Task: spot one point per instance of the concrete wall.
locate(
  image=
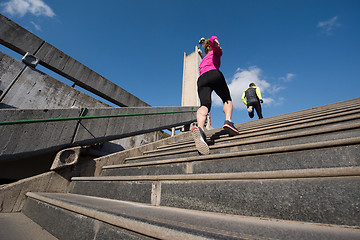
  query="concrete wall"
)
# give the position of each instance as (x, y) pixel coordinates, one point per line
(29, 88)
(32, 89)
(9, 69)
(30, 139)
(12, 196)
(23, 87)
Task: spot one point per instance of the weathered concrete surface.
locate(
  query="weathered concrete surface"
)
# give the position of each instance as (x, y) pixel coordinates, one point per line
(190, 76)
(12, 196)
(91, 215)
(20, 40)
(155, 169)
(34, 89)
(22, 140)
(86, 78)
(28, 88)
(16, 226)
(309, 195)
(119, 157)
(9, 69)
(316, 158)
(318, 200)
(26, 139)
(13, 170)
(135, 191)
(82, 227)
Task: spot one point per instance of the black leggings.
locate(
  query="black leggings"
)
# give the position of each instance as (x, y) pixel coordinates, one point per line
(212, 80)
(257, 107)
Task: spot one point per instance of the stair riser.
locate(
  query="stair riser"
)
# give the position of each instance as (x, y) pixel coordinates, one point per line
(128, 191)
(344, 156)
(176, 168)
(300, 117)
(289, 141)
(315, 158)
(318, 200)
(191, 153)
(329, 201)
(67, 225)
(293, 128)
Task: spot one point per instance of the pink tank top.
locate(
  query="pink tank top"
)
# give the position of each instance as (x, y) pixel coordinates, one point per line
(212, 60)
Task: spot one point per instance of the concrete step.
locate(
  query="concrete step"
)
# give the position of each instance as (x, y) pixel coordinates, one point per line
(219, 135)
(261, 132)
(98, 218)
(296, 135)
(120, 158)
(240, 143)
(340, 109)
(323, 111)
(322, 195)
(335, 153)
(17, 226)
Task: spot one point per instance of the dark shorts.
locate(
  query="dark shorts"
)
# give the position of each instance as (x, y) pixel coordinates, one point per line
(212, 80)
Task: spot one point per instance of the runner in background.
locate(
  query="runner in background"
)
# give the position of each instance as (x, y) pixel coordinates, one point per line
(252, 99)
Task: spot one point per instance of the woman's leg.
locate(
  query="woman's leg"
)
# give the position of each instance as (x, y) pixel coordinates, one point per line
(228, 108)
(222, 90)
(201, 115)
(204, 92)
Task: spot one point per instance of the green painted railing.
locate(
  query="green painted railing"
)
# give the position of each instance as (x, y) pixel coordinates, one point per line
(84, 117)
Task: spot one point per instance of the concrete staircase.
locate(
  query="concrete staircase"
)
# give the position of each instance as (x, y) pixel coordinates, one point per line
(294, 176)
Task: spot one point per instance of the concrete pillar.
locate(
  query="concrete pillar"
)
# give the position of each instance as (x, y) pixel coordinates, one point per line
(190, 75)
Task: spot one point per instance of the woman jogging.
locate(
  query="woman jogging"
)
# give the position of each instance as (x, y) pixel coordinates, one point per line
(211, 79)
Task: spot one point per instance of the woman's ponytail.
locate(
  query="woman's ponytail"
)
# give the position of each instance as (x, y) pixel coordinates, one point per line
(206, 46)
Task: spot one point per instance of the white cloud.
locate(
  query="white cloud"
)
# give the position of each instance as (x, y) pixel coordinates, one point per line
(275, 89)
(288, 77)
(330, 25)
(22, 7)
(240, 82)
(37, 27)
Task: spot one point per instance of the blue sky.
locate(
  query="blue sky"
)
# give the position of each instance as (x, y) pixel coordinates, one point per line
(302, 54)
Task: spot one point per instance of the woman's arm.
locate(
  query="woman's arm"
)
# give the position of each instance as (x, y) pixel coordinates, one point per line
(215, 44)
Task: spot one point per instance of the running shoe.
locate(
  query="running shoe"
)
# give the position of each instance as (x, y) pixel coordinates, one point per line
(250, 109)
(230, 128)
(200, 140)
